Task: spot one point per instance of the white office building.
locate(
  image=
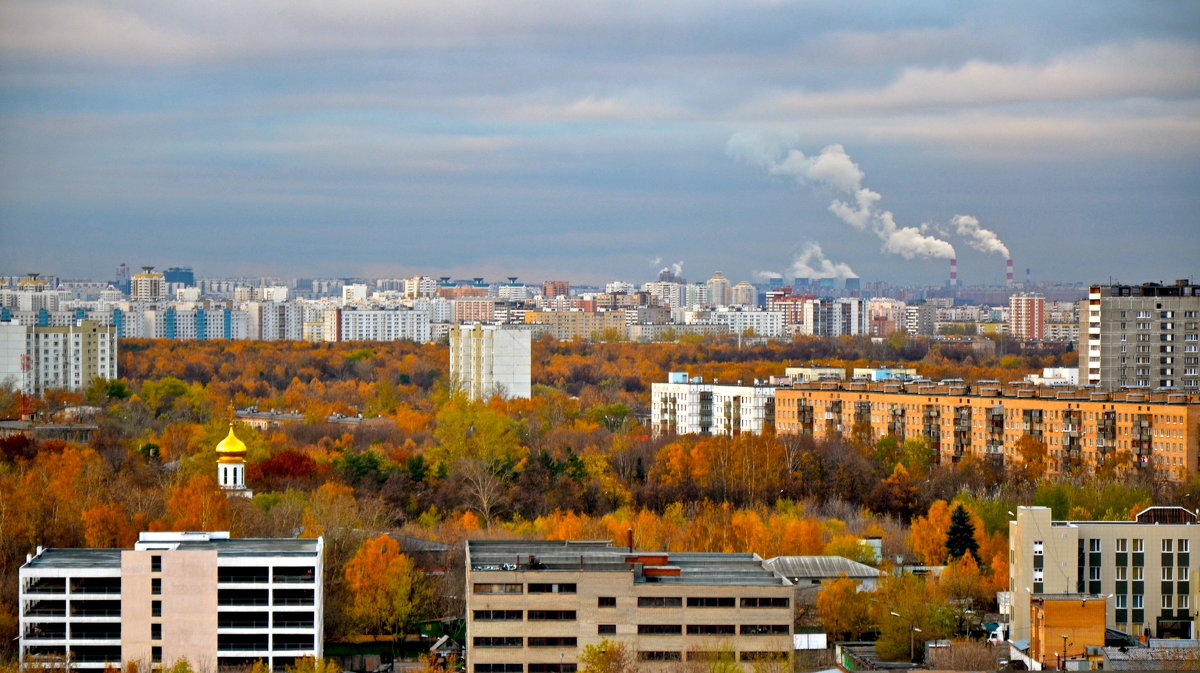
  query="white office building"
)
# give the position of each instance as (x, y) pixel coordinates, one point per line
(205, 597)
(487, 360)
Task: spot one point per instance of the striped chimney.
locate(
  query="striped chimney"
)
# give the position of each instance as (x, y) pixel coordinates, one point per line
(954, 272)
(1008, 275)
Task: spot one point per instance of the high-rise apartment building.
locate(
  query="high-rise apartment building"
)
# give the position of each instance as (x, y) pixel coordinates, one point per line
(533, 606)
(556, 288)
(1144, 565)
(1027, 316)
(148, 286)
(719, 290)
(487, 360)
(213, 600)
(686, 407)
(1141, 336)
(34, 359)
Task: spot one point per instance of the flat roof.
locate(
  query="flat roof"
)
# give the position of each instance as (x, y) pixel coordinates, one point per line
(76, 558)
(104, 558)
(601, 556)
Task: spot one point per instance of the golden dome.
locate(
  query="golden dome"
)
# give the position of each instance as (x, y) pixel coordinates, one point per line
(231, 449)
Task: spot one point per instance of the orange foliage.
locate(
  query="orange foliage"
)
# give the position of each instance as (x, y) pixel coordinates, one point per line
(195, 504)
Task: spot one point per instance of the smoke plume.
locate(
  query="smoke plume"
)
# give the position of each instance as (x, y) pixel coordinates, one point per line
(812, 263)
(983, 240)
(834, 169)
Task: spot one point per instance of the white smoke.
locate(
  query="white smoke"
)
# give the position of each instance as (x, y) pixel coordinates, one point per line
(983, 240)
(655, 261)
(833, 168)
(811, 263)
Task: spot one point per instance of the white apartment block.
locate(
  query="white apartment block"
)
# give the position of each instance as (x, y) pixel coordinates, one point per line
(487, 360)
(759, 323)
(835, 317)
(667, 293)
(687, 406)
(354, 294)
(197, 322)
(36, 359)
(1144, 566)
(419, 286)
(205, 597)
(383, 325)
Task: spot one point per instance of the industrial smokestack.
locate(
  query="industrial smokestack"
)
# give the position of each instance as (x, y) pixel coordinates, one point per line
(953, 272)
(1008, 273)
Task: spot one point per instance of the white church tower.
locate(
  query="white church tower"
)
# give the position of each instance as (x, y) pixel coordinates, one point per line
(231, 465)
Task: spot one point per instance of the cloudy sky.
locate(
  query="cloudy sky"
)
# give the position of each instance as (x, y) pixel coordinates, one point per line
(593, 140)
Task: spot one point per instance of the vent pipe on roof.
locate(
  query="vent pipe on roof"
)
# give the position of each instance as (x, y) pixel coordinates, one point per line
(629, 538)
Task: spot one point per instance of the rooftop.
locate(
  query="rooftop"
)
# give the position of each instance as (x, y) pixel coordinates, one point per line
(224, 546)
(602, 556)
(820, 567)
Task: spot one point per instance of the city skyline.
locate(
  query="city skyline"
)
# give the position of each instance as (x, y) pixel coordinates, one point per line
(600, 142)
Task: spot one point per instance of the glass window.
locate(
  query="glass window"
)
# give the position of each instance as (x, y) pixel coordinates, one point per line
(1122, 544)
(156, 564)
(1167, 574)
(1168, 545)
(1138, 544)
(1121, 601)
(1138, 601)
(606, 602)
(1094, 573)
(1183, 601)
(1184, 546)
(1167, 601)
(1138, 573)
(1094, 544)
(1122, 573)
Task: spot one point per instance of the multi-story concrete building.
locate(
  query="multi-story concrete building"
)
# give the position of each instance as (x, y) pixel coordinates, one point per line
(533, 606)
(1083, 428)
(204, 597)
(920, 319)
(1027, 316)
(1144, 565)
(1141, 336)
(744, 294)
(35, 359)
(148, 286)
(719, 290)
(569, 325)
(556, 288)
(687, 406)
(381, 325)
(835, 317)
(487, 360)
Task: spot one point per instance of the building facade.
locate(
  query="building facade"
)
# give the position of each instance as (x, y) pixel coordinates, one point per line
(1142, 336)
(1081, 428)
(34, 359)
(533, 606)
(205, 597)
(1027, 316)
(487, 360)
(687, 406)
(1144, 564)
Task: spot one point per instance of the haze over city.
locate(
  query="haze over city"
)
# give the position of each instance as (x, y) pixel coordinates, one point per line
(593, 141)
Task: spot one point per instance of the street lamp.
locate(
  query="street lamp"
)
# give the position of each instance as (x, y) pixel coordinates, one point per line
(1063, 665)
(912, 630)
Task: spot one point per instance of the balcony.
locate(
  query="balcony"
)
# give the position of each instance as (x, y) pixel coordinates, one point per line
(294, 597)
(243, 575)
(242, 597)
(242, 620)
(96, 585)
(47, 585)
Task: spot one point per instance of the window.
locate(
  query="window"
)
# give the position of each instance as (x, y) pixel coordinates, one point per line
(606, 629)
(764, 656)
(1121, 601)
(1168, 574)
(1183, 601)
(1122, 573)
(765, 602)
(552, 641)
(606, 602)
(1122, 544)
(156, 564)
(552, 668)
(1138, 602)
(655, 655)
(711, 602)
(1138, 573)
(659, 629)
(499, 668)
(498, 588)
(156, 654)
(1168, 546)
(551, 615)
(710, 629)
(156, 608)
(1138, 545)
(1167, 601)
(1184, 546)
(660, 602)
(497, 641)
(1094, 573)
(156, 586)
(1094, 544)
(764, 629)
(497, 615)
(156, 632)
(551, 588)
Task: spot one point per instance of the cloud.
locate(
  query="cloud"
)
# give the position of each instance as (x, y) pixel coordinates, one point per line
(1143, 68)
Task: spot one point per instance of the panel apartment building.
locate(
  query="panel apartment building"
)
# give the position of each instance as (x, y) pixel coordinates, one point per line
(206, 597)
(1160, 430)
(34, 359)
(1144, 565)
(688, 406)
(532, 606)
(487, 360)
(1141, 336)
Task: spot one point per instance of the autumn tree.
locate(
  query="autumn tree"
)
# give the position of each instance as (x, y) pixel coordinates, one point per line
(1033, 456)
(387, 593)
(607, 656)
(927, 536)
(844, 611)
(195, 503)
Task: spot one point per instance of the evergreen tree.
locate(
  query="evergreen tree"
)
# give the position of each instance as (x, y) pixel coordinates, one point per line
(960, 537)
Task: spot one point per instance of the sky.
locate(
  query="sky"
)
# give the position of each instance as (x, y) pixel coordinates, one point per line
(593, 141)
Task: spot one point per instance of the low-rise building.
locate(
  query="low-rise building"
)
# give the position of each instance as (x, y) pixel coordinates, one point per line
(205, 597)
(533, 606)
(688, 406)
